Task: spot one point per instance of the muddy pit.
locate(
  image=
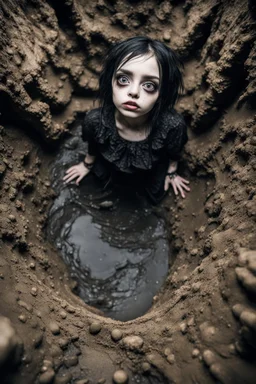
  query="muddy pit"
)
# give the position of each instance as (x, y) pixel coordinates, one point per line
(199, 325)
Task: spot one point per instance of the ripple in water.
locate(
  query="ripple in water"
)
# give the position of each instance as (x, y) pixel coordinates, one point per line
(118, 256)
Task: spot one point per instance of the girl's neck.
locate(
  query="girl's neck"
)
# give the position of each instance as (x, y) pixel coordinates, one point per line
(136, 124)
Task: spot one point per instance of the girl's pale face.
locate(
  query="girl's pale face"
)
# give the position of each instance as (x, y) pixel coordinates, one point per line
(135, 86)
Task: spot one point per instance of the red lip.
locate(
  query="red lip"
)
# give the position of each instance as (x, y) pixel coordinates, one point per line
(131, 103)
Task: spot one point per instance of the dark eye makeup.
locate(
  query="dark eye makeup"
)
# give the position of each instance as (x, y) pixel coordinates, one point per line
(148, 86)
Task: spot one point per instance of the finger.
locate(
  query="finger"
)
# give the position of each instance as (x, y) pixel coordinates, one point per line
(174, 188)
(184, 187)
(181, 191)
(71, 178)
(166, 184)
(74, 172)
(184, 180)
(70, 169)
(79, 179)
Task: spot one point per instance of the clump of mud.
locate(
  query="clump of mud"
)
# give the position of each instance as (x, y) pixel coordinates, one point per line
(201, 326)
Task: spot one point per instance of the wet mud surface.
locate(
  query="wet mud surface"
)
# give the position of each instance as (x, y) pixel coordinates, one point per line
(114, 244)
(201, 326)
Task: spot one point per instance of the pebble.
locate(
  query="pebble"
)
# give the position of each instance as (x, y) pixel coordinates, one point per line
(12, 218)
(116, 334)
(101, 381)
(70, 361)
(171, 358)
(22, 318)
(134, 343)
(25, 305)
(54, 328)
(145, 367)
(183, 327)
(47, 377)
(63, 342)
(32, 266)
(34, 291)
(196, 287)
(194, 252)
(63, 314)
(65, 378)
(82, 381)
(120, 377)
(95, 328)
(195, 352)
(167, 36)
(167, 351)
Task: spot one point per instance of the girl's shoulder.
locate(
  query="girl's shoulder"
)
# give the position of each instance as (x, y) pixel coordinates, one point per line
(171, 120)
(93, 116)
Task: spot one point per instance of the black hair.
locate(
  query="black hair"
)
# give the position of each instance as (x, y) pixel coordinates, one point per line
(169, 66)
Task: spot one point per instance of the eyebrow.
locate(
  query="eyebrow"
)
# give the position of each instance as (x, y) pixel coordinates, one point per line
(146, 77)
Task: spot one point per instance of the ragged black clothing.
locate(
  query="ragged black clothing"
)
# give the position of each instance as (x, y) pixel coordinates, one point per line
(137, 164)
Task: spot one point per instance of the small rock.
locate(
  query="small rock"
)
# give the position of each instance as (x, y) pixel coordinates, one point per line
(22, 318)
(63, 342)
(195, 352)
(145, 367)
(47, 377)
(70, 361)
(82, 381)
(32, 266)
(167, 351)
(196, 287)
(12, 218)
(171, 358)
(116, 334)
(95, 328)
(183, 327)
(120, 377)
(194, 252)
(101, 381)
(134, 343)
(34, 291)
(63, 314)
(54, 328)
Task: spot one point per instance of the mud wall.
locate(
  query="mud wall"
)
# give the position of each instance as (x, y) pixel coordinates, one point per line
(202, 325)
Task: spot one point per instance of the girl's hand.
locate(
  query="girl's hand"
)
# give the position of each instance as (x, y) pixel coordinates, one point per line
(178, 184)
(78, 171)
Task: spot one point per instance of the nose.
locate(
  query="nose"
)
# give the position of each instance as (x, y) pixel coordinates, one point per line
(134, 91)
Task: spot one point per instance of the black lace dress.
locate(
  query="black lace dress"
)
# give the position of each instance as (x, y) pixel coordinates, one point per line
(141, 165)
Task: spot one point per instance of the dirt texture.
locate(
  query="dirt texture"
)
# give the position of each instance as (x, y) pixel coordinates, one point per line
(202, 325)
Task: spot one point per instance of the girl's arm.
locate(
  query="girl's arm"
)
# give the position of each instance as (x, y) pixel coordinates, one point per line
(178, 184)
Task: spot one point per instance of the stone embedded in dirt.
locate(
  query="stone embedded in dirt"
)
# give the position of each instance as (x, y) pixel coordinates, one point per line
(34, 291)
(8, 341)
(116, 334)
(25, 305)
(145, 367)
(134, 343)
(55, 351)
(171, 358)
(196, 287)
(12, 218)
(70, 361)
(47, 377)
(101, 381)
(63, 314)
(195, 352)
(32, 265)
(120, 377)
(82, 381)
(95, 328)
(167, 351)
(183, 327)
(22, 318)
(63, 342)
(65, 378)
(194, 252)
(54, 328)
(37, 340)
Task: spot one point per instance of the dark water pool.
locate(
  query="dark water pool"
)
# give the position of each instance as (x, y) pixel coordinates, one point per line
(118, 254)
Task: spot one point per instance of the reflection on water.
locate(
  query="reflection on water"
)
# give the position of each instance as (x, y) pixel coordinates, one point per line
(118, 256)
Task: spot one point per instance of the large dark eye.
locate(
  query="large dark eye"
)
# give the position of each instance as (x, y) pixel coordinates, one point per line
(150, 87)
(122, 80)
